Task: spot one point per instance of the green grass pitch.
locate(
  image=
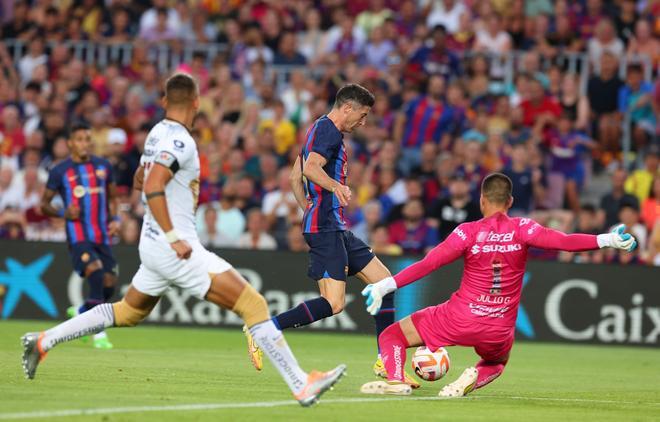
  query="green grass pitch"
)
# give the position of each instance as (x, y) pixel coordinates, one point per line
(166, 369)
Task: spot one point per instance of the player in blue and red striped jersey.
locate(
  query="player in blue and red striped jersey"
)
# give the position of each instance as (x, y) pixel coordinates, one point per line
(427, 118)
(318, 180)
(87, 189)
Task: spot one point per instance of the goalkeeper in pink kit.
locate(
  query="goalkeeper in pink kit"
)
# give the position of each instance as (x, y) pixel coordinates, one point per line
(482, 312)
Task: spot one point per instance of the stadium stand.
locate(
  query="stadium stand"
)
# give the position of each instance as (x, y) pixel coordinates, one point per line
(561, 96)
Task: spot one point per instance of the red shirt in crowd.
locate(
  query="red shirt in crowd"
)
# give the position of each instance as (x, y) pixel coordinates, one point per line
(532, 111)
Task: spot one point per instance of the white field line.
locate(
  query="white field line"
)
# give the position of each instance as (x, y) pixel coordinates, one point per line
(263, 404)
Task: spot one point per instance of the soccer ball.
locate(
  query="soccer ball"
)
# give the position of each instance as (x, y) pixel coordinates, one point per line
(430, 366)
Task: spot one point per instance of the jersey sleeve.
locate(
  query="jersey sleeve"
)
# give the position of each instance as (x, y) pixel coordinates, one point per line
(535, 235)
(54, 182)
(110, 175)
(453, 247)
(174, 153)
(326, 141)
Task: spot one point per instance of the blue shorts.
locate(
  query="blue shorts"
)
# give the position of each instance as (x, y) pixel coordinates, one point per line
(336, 255)
(84, 253)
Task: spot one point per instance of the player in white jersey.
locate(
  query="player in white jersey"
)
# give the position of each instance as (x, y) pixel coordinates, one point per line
(171, 254)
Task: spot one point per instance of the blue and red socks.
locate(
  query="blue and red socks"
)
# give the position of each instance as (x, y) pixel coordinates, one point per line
(304, 314)
(96, 291)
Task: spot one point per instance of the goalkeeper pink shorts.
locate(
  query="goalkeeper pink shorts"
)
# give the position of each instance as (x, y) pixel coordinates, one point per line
(438, 326)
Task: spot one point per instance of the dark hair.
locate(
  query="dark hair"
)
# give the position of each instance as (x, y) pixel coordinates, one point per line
(439, 29)
(497, 188)
(354, 93)
(180, 89)
(76, 127)
(590, 208)
(33, 86)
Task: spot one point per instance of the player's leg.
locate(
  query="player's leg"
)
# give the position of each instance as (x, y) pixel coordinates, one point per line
(96, 264)
(229, 290)
(494, 357)
(328, 266)
(371, 273)
(393, 343)
(110, 273)
(126, 313)
(494, 350)
(367, 267)
(472, 378)
(489, 370)
(89, 265)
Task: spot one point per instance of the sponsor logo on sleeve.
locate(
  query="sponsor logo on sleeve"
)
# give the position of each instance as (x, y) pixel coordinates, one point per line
(532, 229)
(460, 234)
(179, 145)
(165, 158)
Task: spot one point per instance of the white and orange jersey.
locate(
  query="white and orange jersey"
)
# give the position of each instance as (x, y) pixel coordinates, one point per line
(169, 143)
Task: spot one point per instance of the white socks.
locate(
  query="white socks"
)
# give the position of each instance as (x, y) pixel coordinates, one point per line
(90, 322)
(272, 342)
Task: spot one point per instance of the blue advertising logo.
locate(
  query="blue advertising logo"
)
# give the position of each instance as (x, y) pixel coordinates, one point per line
(26, 280)
(523, 324)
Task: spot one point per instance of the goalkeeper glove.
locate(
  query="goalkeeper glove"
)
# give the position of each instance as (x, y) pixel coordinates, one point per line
(375, 292)
(617, 239)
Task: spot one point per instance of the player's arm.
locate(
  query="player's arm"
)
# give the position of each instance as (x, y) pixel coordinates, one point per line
(138, 178)
(546, 238)
(47, 208)
(296, 180)
(113, 208)
(154, 189)
(448, 251)
(313, 171)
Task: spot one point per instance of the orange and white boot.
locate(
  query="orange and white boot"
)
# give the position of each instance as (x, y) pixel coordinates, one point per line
(317, 384)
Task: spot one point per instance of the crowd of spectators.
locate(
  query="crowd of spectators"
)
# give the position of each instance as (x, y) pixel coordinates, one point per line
(447, 111)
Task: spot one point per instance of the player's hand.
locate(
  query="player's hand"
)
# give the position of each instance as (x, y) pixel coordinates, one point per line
(375, 292)
(343, 194)
(618, 239)
(113, 228)
(182, 249)
(72, 212)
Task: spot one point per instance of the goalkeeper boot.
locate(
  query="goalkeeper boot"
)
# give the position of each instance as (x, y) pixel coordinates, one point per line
(32, 353)
(101, 341)
(317, 384)
(72, 311)
(462, 386)
(384, 387)
(255, 353)
(380, 371)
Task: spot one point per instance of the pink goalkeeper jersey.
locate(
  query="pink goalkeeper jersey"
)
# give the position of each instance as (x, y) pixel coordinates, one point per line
(495, 254)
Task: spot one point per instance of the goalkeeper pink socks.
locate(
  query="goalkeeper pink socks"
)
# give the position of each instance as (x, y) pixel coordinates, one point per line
(393, 346)
(488, 371)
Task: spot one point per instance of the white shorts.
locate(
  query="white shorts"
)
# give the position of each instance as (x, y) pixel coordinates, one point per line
(160, 269)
